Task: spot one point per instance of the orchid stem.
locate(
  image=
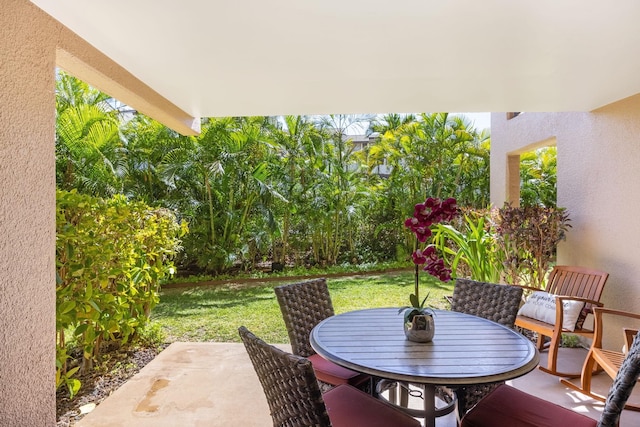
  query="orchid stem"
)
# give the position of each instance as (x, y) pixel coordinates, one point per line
(417, 281)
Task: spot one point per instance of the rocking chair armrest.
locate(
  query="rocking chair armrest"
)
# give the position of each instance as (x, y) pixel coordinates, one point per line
(560, 298)
(598, 314)
(599, 311)
(559, 307)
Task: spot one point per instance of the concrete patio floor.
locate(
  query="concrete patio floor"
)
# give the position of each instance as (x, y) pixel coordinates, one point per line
(213, 384)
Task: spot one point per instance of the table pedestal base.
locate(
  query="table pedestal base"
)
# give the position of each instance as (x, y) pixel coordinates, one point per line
(436, 401)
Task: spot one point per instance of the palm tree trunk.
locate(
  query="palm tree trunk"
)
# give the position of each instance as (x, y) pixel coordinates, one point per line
(210, 202)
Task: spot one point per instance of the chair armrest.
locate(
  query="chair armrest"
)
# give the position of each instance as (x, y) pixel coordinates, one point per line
(560, 311)
(561, 298)
(598, 313)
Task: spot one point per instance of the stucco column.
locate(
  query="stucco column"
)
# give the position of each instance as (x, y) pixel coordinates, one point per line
(499, 164)
(513, 180)
(27, 217)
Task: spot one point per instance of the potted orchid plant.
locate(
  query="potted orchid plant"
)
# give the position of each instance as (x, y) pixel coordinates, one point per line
(425, 215)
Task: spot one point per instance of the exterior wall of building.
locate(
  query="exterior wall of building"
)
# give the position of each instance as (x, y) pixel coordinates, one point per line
(598, 163)
(361, 142)
(27, 217)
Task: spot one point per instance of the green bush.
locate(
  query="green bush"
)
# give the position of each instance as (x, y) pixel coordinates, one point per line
(110, 258)
(512, 244)
(529, 237)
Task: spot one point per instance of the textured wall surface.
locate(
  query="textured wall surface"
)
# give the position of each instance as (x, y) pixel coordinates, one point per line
(31, 45)
(598, 183)
(27, 217)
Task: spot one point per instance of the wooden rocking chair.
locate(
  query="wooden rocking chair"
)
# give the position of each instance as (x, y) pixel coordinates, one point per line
(600, 359)
(565, 283)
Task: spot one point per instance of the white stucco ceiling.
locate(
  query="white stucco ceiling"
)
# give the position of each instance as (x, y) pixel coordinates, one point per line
(269, 57)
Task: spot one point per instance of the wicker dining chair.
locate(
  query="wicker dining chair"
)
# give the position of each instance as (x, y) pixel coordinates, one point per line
(508, 406)
(303, 306)
(491, 301)
(294, 396)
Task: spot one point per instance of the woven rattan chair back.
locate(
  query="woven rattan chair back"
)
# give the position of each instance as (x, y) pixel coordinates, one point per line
(303, 306)
(491, 301)
(289, 384)
(623, 384)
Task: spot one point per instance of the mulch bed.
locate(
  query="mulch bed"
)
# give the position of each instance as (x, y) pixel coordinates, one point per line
(118, 366)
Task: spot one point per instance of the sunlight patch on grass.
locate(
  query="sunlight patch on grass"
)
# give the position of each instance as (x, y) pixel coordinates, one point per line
(214, 313)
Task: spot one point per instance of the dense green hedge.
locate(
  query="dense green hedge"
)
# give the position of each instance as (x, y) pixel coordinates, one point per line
(110, 258)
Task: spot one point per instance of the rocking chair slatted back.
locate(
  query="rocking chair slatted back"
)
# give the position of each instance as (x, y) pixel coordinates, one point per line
(577, 281)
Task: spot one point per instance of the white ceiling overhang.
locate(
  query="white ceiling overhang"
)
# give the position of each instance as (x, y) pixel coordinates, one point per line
(261, 57)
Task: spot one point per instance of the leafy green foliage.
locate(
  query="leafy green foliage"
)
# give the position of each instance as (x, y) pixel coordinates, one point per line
(516, 244)
(111, 256)
(344, 269)
(220, 184)
(88, 144)
(538, 176)
(437, 155)
(474, 244)
(416, 308)
(431, 154)
(295, 190)
(151, 335)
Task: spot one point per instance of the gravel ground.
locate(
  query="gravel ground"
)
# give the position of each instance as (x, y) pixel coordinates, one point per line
(119, 365)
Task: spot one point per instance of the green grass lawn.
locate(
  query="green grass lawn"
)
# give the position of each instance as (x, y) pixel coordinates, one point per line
(214, 313)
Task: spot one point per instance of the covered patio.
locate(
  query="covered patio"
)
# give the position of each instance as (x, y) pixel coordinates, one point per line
(575, 63)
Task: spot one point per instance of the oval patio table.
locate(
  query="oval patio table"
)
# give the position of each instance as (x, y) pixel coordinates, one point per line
(465, 350)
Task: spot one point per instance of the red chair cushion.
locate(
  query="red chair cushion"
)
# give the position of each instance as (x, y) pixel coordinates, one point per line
(508, 406)
(349, 407)
(331, 373)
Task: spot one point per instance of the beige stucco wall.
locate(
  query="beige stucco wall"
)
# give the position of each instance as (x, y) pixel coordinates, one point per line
(27, 220)
(31, 44)
(598, 183)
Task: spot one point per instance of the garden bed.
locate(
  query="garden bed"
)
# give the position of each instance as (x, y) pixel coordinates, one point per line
(119, 365)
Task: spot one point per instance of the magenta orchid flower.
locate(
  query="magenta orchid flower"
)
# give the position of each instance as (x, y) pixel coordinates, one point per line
(432, 211)
(418, 257)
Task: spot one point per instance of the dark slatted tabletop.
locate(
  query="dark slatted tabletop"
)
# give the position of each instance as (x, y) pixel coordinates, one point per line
(465, 349)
